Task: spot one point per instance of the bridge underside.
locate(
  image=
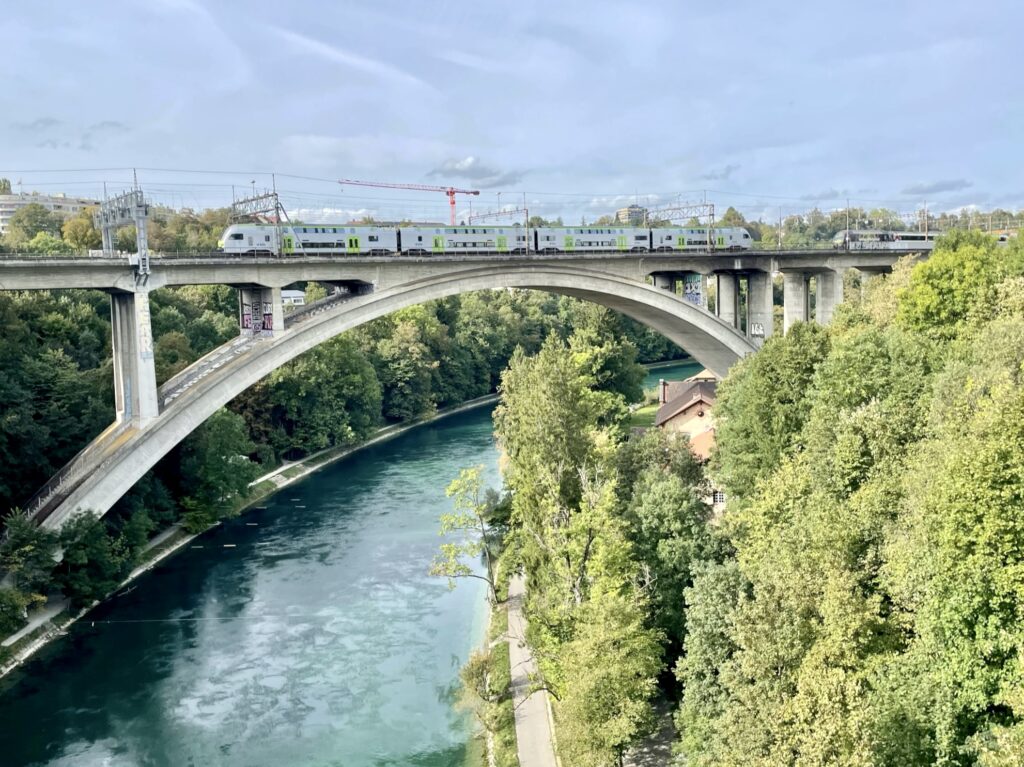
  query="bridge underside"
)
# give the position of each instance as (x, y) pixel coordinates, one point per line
(119, 457)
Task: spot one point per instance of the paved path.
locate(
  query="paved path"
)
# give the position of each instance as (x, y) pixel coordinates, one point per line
(656, 749)
(47, 613)
(533, 728)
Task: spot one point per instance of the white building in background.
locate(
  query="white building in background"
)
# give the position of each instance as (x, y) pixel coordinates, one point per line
(61, 204)
(293, 297)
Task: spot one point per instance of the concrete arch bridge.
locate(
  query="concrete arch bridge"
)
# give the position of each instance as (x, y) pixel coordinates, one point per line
(665, 292)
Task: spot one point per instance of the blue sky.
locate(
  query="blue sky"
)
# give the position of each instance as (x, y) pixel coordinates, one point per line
(585, 106)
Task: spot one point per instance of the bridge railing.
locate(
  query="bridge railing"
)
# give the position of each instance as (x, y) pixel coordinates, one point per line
(202, 256)
(75, 469)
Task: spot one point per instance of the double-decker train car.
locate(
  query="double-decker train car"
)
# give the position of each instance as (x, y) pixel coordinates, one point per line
(421, 240)
(700, 239)
(335, 239)
(879, 239)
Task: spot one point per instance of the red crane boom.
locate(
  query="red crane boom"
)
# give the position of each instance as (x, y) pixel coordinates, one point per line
(448, 190)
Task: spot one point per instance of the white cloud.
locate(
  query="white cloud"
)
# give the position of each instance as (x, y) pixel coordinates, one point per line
(375, 67)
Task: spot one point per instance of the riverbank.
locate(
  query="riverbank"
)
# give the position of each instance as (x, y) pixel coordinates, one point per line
(53, 619)
(687, 360)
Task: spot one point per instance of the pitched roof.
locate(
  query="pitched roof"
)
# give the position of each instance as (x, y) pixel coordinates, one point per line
(694, 391)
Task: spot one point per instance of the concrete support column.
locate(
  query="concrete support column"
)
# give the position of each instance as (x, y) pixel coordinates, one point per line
(760, 306)
(261, 311)
(664, 280)
(829, 295)
(727, 298)
(135, 396)
(795, 299)
(695, 288)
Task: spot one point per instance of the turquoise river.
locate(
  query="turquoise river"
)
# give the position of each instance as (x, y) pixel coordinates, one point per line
(304, 633)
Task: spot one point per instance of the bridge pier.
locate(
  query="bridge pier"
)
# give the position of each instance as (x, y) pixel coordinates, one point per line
(727, 297)
(796, 299)
(135, 397)
(664, 280)
(260, 311)
(760, 306)
(829, 294)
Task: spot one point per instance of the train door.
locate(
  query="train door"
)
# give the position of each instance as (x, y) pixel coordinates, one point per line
(570, 244)
(288, 244)
(438, 245)
(621, 242)
(353, 244)
(502, 243)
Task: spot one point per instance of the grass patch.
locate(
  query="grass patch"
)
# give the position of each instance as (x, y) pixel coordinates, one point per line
(499, 623)
(643, 416)
(504, 718)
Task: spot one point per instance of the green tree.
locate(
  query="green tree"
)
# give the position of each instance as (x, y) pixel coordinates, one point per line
(28, 221)
(5, 186)
(80, 233)
(544, 425)
(613, 665)
(12, 611)
(328, 396)
(91, 567)
(955, 285)
(405, 372)
(762, 405)
(28, 552)
(469, 522)
(669, 522)
(215, 458)
(44, 243)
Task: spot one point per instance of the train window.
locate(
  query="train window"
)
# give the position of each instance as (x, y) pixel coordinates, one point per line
(746, 236)
(266, 238)
(373, 238)
(640, 237)
(238, 236)
(668, 238)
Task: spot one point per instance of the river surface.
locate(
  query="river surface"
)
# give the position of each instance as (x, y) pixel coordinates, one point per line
(675, 372)
(303, 633)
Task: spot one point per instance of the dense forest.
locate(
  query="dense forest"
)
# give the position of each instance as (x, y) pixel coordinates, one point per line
(858, 603)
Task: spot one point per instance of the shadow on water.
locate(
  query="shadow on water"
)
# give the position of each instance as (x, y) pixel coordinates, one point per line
(316, 638)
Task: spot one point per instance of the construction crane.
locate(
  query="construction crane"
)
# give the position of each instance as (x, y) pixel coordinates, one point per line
(448, 190)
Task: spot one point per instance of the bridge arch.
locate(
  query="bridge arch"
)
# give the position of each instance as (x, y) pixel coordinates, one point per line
(121, 457)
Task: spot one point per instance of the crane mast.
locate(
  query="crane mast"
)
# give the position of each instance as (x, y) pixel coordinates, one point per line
(450, 191)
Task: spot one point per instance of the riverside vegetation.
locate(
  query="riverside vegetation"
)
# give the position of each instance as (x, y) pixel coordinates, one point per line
(859, 602)
(56, 393)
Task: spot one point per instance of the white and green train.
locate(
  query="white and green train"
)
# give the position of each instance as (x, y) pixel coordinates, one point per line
(336, 239)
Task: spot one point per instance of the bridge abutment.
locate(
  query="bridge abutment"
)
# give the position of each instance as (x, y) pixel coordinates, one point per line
(135, 395)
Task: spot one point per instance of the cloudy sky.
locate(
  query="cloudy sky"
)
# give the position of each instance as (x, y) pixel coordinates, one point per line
(584, 106)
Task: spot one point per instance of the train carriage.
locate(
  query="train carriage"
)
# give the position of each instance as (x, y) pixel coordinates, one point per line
(421, 240)
(309, 239)
(573, 239)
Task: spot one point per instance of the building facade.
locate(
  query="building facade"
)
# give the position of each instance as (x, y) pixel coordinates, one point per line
(61, 204)
(634, 215)
(686, 409)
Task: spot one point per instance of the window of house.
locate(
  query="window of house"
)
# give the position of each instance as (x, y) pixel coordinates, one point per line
(718, 497)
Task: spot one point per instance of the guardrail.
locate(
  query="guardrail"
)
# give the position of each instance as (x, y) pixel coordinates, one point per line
(74, 469)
